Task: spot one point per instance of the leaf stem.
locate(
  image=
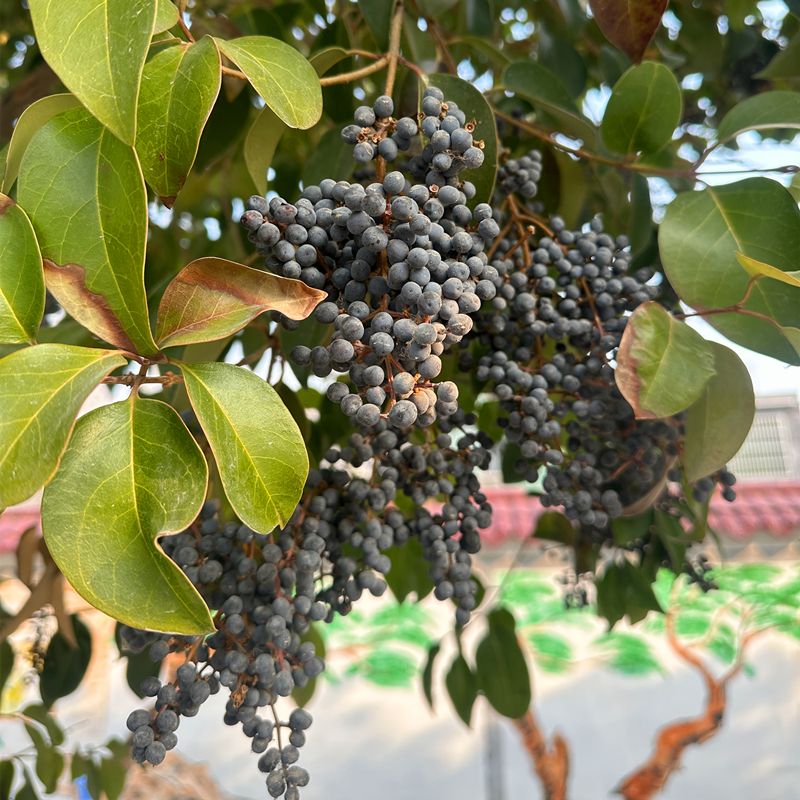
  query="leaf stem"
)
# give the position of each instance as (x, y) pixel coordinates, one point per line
(186, 32)
(234, 73)
(347, 77)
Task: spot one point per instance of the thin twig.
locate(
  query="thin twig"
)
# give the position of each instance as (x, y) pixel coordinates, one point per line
(394, 46)
(234, 73)
(348, 77)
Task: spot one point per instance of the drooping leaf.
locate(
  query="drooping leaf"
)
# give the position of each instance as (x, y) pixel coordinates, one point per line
(98, 50)
(65, 665)
(378, 16)
(501, 668)
(663, 364)
(83, 190)
(213, 298)
(31, 119)
(629, 24)
(259, 451)
(427, 673)
(284, 79)
(765, 111)
(612, 592)
(718, 422)
(166, 16)
(641, 216)
(462, 688)
(260, 145)
(41, 390)
(643, 111)
(555, 527)
(545, 91)
(409, 572)
(474, 105)
(759, 268)
(698, 240)
(132, 472)
(179, 87)
(21, 277)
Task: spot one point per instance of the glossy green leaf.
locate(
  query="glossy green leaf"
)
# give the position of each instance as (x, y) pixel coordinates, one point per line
(21, 276)
(260, 145)
(260, 453)
(378, 16)
(765, 111)
(611, 591)
(132, 472)
(213, 298)
(640, 227)
(41, 390)
(327, 58)
(699, 238)
(643, 111)
(555, 527)
(166, 16)
(83, 190)
(758, 269)
(6, 778)
(31, 119)
(98, 49)
(629, 24)
(663, 364)
(40, 713)
(718, 422)
(474, 105)
(284, 79)
(545, 92)
(179, 88)
(462, 687)
(409, 572)
(65, 665)
(501, 668)
(427, 673)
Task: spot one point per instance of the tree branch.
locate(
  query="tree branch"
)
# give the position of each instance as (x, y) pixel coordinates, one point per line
(551, 764)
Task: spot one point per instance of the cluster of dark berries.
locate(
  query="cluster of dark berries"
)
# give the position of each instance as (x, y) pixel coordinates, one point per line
(520, 175)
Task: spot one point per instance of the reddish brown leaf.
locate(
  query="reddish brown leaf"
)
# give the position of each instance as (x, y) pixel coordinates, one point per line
(68, 285)
(629, 24)
(213, 298)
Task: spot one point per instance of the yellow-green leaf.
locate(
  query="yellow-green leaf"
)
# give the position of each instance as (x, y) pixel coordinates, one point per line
(284, 79)
(717, 423)
(83, 190)
(213, 298)
(260, 453)
(179, 88)
(41, 390)
(32, 118)
(166, 16)
(132, 472)
(758, 268)
(663, 364)
(98, 48)
(21, 278)
(260, 145)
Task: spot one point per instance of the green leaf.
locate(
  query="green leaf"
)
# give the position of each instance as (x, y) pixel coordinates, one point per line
(427, 673)
(6, 662)
(643, 111)
(84, 193)
(553, 652)
(409, 572)
(31, 119)
(260, 453)
(785, 64)
(84, 765)
(462, 688)
(718, 422)
(474, 105)
(628, 529)
(287, 83)
(139, 666)
(41, 390)
(612, 594)
(640, 226)
(260, 145)
(132, 472)
(6, 778)
(166, 16)
(98, 49)
(501, 668)
(545, 91)
(65, 665)
(564, 60)
(699, 238)
(757, 269)
(640, 592)
(378, 16)
(113, 774)
(323, 60)
(213, 298)
(765, 111)
(555, 527)
(21, 276)
(28, 790)
(673, 537)
(179, 88)
(629, 654)
(663, 364)
(629, 24)
(40, 713)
